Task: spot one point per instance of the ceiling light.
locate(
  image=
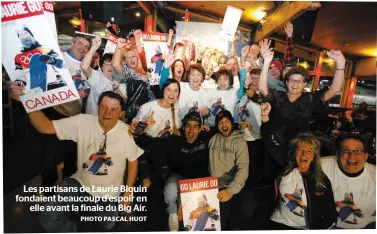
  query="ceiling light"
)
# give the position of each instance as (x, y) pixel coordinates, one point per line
(259, 14)
(75, 21)
(137, 14)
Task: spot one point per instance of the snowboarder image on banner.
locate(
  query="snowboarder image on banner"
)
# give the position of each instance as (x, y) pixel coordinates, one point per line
(347, 210)
(34, 60)
(217, 107)
(203, 217)
(80, 82)
(295, 204)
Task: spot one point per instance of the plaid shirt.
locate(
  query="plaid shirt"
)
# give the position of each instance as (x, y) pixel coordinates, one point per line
(288, 55)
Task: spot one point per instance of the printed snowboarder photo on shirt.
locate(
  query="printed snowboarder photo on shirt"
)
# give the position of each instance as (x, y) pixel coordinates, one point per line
(244, 113)
(98, 162)
(36, 62)
(217, 106)
(166, 131)
(347, 210)
(295, 203)
(195, 107)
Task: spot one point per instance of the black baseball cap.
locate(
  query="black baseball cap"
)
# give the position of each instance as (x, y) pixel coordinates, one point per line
(192, 116)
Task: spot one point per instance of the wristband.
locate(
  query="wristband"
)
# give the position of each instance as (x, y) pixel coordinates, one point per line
(340, 69)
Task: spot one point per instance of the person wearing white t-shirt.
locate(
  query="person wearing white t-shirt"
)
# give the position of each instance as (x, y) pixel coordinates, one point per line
(248, 114)
(354, 183)
(162, 116)
(303, 192)
(222, 97)
(194, 97)
(99, 81)
(103, 147)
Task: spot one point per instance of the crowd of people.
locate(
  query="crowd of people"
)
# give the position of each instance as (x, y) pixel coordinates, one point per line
(244, 119)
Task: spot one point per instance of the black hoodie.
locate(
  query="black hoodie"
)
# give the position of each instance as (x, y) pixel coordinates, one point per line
(188, 160)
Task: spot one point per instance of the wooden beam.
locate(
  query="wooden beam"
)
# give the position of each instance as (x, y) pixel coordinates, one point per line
(286, 12)
(146, 7)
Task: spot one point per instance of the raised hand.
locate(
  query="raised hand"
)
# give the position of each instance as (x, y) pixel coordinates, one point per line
(138, 33)
(265, 109)
(265, 46)
(96, 42)
(288, 28)
(150, 120)
(245, 124)
(169, 58)
(121, 43)
(171, 32)
(338, 57)
(108, 24)
(248, 80)
(16, 90)
(268, 56)
(244, 51)
(115, 84)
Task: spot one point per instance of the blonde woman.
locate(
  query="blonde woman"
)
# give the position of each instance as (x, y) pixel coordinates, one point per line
(303, 192)
(132, 74)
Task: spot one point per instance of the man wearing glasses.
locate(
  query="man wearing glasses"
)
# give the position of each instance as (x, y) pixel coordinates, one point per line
(353, 181)
(292, 110)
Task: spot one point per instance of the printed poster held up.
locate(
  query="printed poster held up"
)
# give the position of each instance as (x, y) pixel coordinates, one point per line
(155, 46)
(48, 7)
(111, 44)
(32, 58)
(200, 205)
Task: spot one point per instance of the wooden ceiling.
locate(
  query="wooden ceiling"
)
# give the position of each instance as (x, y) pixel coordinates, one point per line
(339, 23)
(218, 8)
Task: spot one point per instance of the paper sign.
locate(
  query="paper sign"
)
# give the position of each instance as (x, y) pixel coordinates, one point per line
(200, 205)
(32, 58)
(155, 47)
(230, 23)
(111, 44)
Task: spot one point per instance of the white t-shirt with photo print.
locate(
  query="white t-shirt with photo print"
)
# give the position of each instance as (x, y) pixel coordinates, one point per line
(162, 116)
(227, 98)
(355, 197)
(293, 201)
(190, 98)
(96, 170)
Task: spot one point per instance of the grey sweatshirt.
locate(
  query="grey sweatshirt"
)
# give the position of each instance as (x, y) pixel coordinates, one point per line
(229, 160)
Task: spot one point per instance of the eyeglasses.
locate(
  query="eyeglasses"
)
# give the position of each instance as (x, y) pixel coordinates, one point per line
(296, 81)
(349, 151)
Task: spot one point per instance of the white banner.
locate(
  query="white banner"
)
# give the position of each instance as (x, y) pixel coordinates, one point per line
(32, 58)
(230, 23)
(111, 44)
(207, 34)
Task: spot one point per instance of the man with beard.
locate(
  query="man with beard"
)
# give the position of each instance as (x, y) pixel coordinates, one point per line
(32, 61)
(229, 161)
